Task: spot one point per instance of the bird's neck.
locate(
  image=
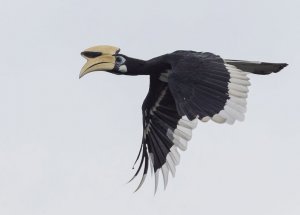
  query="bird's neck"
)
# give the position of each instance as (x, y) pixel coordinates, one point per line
(135, 66)
(142, 67)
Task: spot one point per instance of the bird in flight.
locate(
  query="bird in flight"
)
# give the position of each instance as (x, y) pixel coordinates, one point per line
(184, 86)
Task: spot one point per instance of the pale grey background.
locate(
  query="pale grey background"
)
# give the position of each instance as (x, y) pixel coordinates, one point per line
(67, 145)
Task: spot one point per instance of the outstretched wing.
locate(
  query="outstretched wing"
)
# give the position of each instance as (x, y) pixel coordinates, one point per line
(164, 131)
(198, 85)
(206, 87)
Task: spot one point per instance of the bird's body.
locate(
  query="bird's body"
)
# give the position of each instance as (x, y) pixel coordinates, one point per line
(184, 86)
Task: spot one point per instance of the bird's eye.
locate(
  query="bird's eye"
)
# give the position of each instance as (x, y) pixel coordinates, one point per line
(120, 59)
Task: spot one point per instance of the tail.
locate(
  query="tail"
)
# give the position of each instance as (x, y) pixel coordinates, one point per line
(260, 68)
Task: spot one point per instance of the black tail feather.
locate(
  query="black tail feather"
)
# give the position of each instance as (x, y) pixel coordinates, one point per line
(260, 68)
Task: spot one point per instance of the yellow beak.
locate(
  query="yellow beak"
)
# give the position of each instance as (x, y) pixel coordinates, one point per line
(99, 58)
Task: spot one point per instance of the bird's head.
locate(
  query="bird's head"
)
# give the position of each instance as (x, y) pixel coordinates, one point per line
(105, 58)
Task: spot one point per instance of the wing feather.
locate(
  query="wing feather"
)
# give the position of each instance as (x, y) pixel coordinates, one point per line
(164, 131)
(206, 87)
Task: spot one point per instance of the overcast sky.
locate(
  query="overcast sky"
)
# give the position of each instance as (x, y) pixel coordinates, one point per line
(67, 145)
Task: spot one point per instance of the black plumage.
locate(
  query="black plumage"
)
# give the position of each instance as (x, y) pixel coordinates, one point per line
(184, 86)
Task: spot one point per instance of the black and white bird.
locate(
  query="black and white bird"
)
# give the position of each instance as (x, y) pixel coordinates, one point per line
(184, 86)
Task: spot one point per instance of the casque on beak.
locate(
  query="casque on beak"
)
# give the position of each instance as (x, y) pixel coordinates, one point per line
(99, 58)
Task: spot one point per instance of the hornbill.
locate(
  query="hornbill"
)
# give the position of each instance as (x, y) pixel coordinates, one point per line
(184, 86)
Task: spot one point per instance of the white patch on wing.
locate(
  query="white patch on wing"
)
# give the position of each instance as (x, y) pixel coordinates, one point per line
(141, 183)
(183, 132)
(171, 165)
(185, 122)
(238, 87)
(164, 76)
(238, 81)
(175, 155)
(179, 138)
(165, 172)
(205, 119)
(156, 180)
(218, 118)
(235, 106)
(238, 94)
(177, 141)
